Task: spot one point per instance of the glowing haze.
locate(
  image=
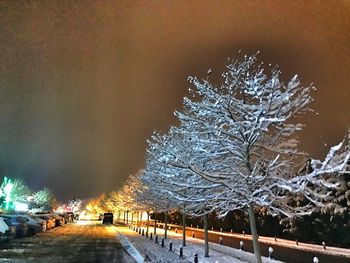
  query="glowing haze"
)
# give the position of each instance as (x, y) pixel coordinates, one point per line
(84, 83)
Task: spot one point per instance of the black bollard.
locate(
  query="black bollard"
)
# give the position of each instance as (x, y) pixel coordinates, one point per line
(192, 234)
(151, 236)
(270, 252)
(241, 245)
(181, 254)
(162, 241)
(140, 230)
(143, 232)
(146, 233)
(156, 239)
(196, 258)
(170, 246)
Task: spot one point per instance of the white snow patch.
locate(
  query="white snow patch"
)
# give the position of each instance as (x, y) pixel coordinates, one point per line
(130, 248)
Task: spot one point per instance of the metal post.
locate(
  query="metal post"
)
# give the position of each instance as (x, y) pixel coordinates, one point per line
(324, 245)
(156, 239)
(143, 232)
(170, 246)
(192, 234)
(162, 241)
(196, 258)
(151, 236)
(181, 254)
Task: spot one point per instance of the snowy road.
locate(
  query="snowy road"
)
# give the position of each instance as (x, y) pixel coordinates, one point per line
(84, 241)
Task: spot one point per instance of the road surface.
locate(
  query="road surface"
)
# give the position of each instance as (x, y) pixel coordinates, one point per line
(83, 241)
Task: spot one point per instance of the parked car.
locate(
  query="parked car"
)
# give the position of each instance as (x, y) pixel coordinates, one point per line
(50, 221)
(68, 216)
(7, 231)
(71, 216)
(59, 219)
(22, 228)
(107, 218)
(35, 225)
(42, 222)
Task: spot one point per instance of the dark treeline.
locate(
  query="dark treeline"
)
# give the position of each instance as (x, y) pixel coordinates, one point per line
(334, 229)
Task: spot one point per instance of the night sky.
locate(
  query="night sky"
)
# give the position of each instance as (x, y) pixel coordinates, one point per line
(83, 84)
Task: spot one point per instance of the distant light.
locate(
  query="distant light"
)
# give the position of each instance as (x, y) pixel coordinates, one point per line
(20, 207)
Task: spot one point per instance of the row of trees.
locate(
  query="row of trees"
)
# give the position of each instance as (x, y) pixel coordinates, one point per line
(14, 192)
(236, 148)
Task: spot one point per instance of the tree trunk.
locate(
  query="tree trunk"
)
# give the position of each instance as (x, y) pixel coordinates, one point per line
(127, 217)
(254, 234)
(140, 219)
(155, 225)
(206, 241)
(183, 229)
(166, 225)
(147, 222)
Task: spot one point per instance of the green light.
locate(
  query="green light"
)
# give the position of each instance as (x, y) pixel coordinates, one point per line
(6, 189)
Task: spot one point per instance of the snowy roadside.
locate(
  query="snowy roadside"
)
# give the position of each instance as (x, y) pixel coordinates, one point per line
(130, 248)
(154, 252)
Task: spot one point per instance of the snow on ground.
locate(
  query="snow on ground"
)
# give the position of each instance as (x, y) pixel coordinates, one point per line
(153, 252)
(130, 248)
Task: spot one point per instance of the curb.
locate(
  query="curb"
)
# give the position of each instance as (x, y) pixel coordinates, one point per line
(130, 248)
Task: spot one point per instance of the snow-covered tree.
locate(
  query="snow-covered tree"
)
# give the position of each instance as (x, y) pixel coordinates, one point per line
(42, 197)
(166, 172)
(245, 133)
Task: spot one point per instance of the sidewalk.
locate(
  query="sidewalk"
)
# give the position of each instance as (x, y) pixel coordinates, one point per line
(153, 252)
